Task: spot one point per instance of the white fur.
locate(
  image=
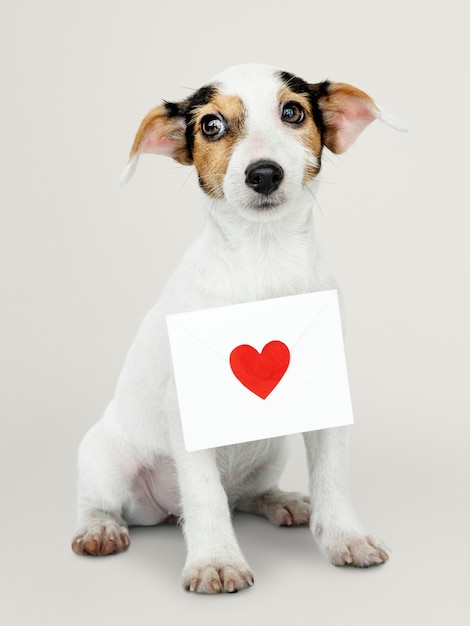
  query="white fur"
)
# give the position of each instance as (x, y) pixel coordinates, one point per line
(133, 467)
(391, 120)
(129, 171)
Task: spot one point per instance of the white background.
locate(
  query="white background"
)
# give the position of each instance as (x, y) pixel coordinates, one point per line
(82, 261)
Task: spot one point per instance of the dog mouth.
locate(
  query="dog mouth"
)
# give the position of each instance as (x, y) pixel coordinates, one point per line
(264, 203)
(262, 208)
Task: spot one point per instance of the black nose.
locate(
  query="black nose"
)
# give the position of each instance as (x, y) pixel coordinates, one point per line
(264, 176)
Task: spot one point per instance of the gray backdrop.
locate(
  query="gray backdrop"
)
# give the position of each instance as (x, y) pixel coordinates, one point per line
(82, 261)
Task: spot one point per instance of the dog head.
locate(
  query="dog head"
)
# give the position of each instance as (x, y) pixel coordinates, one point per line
(255, 134)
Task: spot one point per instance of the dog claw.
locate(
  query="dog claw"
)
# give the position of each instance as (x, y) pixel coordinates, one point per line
(101, 540)
(216, 578)
(357, 550)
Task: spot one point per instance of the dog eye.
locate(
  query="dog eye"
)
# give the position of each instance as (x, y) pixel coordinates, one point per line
(212, 126)
(292, 113)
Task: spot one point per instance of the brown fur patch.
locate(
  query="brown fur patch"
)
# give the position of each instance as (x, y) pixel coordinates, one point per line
(211, 158)
(307, 131)
(160, 134)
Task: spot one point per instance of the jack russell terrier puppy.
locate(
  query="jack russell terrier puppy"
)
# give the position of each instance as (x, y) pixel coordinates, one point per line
(255, 135)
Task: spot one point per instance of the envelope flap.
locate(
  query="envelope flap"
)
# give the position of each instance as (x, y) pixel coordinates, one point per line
(255, 323)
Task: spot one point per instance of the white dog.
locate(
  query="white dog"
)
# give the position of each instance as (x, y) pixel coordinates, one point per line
(255, 135)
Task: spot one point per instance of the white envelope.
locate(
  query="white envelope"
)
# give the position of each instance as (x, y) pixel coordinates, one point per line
(217, 408)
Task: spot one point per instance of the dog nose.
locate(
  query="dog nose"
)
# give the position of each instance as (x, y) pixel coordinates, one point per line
(264, 176)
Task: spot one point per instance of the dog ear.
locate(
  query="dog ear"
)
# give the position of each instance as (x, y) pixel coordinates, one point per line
(346, 112)
(162, 131)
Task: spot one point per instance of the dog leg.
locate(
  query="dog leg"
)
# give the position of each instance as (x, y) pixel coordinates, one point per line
(103, 489)
(214, 561)
(333, 521)
(281, 508)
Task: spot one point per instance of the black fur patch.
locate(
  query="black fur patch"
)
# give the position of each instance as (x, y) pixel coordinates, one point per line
(173, 109)
(186, 109)
(199, 98)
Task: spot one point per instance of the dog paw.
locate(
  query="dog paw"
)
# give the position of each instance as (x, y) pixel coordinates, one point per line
(281, 508)
(357, 550)
(101, 539)
(289, 509)
(217, 577)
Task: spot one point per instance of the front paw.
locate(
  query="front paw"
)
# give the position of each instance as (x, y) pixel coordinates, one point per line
(101, 539)
(217, 577)
(356, 549)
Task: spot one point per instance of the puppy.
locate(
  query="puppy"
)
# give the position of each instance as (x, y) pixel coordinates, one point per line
(255, 135)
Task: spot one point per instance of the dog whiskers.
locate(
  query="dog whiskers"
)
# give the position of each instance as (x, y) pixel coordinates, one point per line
(185, 181)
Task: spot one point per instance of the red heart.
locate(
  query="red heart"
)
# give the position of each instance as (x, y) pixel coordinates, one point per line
(260, 373)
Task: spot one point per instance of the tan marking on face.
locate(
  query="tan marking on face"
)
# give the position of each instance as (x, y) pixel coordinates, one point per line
(307, 131)
(212, 156)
